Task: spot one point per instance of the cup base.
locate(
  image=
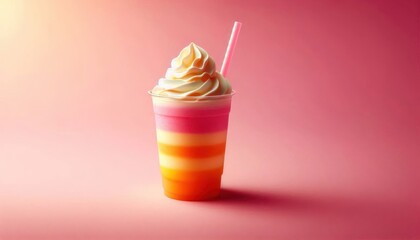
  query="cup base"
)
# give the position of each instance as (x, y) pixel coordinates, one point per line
(192, 190)
(192, 198)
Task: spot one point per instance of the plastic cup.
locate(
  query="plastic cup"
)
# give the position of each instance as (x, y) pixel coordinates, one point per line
(191, 138)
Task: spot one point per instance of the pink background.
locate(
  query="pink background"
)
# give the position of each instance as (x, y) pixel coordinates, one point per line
(324, 131)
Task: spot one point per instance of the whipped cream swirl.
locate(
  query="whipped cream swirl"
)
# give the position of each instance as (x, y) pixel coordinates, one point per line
(192, 73)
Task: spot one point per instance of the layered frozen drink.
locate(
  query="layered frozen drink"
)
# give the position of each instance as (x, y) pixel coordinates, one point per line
(192, 104)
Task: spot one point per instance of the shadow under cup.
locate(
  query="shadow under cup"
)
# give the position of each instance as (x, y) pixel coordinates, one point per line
(191, 136)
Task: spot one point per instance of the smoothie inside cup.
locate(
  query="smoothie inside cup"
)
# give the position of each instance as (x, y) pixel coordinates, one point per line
(192, 104)
(191, 139)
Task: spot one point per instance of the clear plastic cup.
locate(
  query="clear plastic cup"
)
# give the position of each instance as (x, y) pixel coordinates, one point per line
(191, 137)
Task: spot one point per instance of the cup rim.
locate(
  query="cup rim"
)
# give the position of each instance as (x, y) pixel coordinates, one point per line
(193, 98)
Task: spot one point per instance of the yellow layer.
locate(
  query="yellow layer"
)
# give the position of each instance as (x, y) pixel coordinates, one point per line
(189, 139)
(191, 164)
(183, 175)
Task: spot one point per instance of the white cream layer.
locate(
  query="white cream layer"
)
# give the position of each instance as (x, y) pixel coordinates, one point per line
(190, 139)
(191, 164)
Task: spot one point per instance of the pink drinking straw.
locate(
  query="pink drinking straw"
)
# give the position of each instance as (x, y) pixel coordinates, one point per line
(230, 48)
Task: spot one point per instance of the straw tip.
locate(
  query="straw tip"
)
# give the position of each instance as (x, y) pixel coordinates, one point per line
(237, 26)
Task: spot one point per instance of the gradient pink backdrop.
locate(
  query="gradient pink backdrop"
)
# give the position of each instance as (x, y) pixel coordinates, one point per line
(324, 131)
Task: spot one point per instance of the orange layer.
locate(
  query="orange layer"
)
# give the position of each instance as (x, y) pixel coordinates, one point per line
(192, 190)
(192, 151)
(182, 175)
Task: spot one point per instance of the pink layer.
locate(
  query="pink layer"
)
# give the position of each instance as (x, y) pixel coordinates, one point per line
(192, 125)
(191, 111)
